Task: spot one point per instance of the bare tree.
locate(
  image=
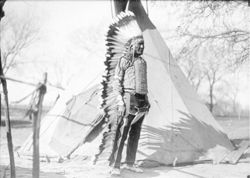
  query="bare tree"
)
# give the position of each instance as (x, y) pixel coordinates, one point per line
(213, 76)
(230, 92)
(189, 61)
(214, 68)
(17, 33)
(223, 23)
(222, 28)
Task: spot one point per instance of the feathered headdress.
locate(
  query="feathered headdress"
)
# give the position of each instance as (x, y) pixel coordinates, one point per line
(122, 34)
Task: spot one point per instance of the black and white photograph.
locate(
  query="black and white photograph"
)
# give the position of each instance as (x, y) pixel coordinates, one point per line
(124, 89)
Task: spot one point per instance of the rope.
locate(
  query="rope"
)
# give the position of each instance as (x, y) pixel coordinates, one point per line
(28, 83)
(25, 97)
(18, 81)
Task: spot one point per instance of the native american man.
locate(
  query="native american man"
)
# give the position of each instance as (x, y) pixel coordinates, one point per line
(126, 83)
(131, 83)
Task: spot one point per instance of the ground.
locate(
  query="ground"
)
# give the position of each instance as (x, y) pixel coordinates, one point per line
(79, 167)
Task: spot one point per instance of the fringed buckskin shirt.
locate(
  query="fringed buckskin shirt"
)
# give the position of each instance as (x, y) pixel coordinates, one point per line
(130, 76)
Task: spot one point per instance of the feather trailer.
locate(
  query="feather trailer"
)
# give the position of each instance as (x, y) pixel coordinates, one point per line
(120, 33)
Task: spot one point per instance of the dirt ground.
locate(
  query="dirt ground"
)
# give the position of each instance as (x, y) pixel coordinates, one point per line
(81, 167)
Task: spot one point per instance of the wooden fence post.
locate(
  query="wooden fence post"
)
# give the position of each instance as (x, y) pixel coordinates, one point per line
(7, 123)
(36, 117)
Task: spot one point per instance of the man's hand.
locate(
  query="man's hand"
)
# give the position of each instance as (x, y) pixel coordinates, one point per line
(121, 110)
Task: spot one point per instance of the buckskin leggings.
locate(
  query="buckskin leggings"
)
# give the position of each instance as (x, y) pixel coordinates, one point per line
(133, 131)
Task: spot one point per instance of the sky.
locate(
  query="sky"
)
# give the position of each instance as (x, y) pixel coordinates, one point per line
(71, 44)
(55, 51)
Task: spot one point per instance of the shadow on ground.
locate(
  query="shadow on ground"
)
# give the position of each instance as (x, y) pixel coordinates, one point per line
(26, 173)
(18, 123)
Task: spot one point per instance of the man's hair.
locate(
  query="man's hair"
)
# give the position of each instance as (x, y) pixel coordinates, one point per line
(134, 41)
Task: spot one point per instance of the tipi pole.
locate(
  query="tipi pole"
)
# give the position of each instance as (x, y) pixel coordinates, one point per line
(248, 86)
(36, 117)
(0, 112)
(7, 120)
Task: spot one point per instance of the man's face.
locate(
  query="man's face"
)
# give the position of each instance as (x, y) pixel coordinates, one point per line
(139, 47)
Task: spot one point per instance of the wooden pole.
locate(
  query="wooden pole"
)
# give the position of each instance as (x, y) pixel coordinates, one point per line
(120, 5)
(7, 120)
(36, 116)
(7, 124)
(0, 112)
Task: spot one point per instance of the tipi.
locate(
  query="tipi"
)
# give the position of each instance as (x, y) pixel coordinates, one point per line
(178, 128)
